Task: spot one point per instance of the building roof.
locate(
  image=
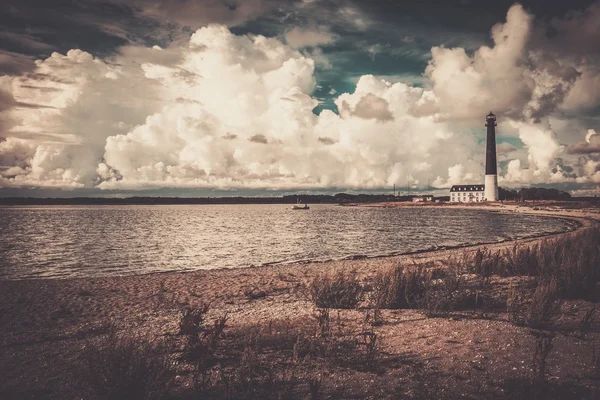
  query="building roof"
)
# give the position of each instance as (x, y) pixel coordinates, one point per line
(467, 188)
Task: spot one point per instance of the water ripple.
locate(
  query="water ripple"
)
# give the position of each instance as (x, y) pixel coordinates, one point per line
(75, 241)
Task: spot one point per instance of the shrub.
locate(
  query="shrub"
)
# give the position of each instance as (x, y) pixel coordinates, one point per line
(515, 305)
(200, 342)
(192, 320)
(341, 290)
(124, 368)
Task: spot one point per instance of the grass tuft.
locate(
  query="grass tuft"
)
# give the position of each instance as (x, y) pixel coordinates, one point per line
(340, 290)
(125, 368)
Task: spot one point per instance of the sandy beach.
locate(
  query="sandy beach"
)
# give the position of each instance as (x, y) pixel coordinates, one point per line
(47, 323)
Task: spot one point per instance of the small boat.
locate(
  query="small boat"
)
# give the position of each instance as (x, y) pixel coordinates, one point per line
(300, 206)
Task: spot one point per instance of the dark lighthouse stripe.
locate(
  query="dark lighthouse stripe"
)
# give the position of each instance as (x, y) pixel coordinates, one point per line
(490, 151)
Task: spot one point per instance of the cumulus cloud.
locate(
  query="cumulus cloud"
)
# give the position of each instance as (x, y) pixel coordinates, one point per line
(236, 111)
(368, 107)
(222, 111)
(513, 78)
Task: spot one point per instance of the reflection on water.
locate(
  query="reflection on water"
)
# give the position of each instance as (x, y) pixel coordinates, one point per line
(70, 241)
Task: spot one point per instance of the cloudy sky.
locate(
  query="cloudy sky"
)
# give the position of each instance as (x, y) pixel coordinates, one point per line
(111, 97)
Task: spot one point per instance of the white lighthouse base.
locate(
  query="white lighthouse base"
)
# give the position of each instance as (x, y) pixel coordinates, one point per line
(491, 188)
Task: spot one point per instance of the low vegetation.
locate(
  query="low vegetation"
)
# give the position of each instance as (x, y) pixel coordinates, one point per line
(340, 290)
(123, 367)
(572, 261)
(401, 287)
(286, 358)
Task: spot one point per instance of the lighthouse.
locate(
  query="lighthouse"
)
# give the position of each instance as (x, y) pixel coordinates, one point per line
(491, 171)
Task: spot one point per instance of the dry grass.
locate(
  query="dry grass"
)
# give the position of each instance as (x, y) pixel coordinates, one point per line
(540, 310)
(126, 368)
(574, 261)
(400, 287)
(340, 290)
(279, 359)
(192, 320)
(543, 347)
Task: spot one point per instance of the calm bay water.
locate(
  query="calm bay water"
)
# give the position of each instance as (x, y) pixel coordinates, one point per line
(79, 241)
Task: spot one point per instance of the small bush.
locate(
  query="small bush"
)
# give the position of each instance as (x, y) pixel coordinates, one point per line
(124, 368)
(200, 351)
(200, 342)
(322, 316)
(580, 265)
(341, 290)
(192, 320)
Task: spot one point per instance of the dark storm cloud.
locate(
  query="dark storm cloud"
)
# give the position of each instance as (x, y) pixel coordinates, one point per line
(38, 27)
(20, 104)
(24, 40)
(326, 140)
(14, 63)
(583, 148)
(199, 13)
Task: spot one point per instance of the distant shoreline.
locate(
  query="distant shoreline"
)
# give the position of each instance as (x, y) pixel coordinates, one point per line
(345, 199)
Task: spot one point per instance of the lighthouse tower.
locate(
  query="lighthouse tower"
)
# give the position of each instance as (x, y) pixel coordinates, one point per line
(491, 171)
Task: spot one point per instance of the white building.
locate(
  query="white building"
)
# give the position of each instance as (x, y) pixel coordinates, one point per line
(467, 193)
(422, 199)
